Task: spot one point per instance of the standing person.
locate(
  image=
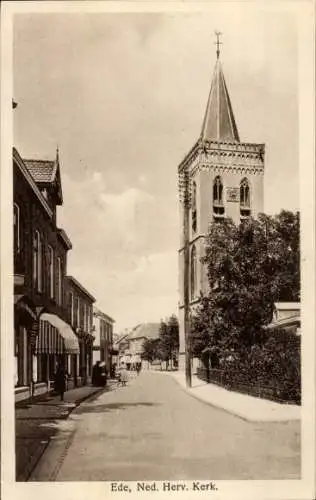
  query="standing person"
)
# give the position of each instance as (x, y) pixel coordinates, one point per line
(95, 373)
(138, 368)
(123, 376)
(60, 381)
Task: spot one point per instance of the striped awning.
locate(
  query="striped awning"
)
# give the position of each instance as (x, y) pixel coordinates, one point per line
(56, 336)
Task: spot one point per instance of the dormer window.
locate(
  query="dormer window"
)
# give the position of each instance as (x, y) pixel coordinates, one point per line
(194, 215)
(245, 209)
(218, 205)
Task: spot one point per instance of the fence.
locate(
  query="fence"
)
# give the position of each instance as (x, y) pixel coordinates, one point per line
(275, 391)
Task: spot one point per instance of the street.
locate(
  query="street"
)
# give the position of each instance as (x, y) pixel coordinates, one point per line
(152, 429)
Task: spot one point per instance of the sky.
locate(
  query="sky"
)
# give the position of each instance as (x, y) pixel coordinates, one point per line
(123, 97)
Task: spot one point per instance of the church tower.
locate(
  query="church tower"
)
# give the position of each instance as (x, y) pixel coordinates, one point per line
(224, 179)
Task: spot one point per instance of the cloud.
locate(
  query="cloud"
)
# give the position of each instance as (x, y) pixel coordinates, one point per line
(115, 254)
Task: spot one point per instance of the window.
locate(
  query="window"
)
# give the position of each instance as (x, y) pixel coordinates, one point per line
(59, 281)
(85, 317)
(245, 198)
(37, 261)
(78, 312)
(51, 277)
(193, 272)
(72, 306)
(16, 229)
(194, 219)
(218, 205)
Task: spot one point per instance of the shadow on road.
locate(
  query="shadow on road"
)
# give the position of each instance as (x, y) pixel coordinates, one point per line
(85, 408)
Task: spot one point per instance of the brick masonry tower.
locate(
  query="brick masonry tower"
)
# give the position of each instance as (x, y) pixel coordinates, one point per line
(224, 180)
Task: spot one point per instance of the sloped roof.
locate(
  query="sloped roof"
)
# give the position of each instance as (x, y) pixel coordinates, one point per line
(42, 171)
(147, 330)
(219, 121)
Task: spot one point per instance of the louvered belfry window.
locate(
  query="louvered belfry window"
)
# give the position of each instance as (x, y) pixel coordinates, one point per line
(218, 204)
(245, 208)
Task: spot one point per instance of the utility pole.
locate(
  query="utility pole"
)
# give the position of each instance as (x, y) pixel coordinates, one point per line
(186, 274)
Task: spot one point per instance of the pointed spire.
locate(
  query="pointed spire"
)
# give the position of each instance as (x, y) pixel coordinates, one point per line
(219, 122)
(57, 154)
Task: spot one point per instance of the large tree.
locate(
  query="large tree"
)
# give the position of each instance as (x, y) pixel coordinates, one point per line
(249, 266)
(150, 350)
(169, 339)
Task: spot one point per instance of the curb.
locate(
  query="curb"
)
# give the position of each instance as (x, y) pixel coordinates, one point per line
(230, 411)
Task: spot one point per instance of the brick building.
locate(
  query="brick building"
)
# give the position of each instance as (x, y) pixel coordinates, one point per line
(80, 316)
(42, 335)
(103, 331)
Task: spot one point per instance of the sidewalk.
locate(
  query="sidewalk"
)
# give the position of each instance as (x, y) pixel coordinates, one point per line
(36, 423)
(244, 406)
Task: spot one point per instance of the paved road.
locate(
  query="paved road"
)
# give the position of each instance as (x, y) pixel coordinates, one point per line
(153, 430)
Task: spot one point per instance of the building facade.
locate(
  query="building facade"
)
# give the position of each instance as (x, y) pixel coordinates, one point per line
(224, 178)
(131, 346)
(42, 335)
(80, 316)
(103, 331)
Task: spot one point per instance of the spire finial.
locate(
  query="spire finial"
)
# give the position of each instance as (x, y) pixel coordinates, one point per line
(57, 153)
(218, 43)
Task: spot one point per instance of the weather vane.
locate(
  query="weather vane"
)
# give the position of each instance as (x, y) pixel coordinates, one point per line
(218, 43)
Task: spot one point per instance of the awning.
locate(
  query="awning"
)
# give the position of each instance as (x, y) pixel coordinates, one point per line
(56, 336)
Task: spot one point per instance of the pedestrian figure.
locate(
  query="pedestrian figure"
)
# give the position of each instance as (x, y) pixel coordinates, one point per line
(60, 381)
(123, 376)
(138, 368)
(95, 373)
(103, 374)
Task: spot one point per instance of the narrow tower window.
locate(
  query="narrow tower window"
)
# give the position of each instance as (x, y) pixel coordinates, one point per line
(193, 272)
(194, 217)
(218, 205)
(245, 210)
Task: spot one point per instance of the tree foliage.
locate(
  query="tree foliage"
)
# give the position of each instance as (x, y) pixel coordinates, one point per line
(166, 346)
(249, 267)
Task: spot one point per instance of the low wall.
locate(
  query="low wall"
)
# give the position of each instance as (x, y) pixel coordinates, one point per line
(40, 388)
(22, 393)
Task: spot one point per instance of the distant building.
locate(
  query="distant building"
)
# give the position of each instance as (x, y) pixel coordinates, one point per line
(131, 345)
(225, 179)
(42, 335)
(286, 316)
(103, 332)
(80, 316)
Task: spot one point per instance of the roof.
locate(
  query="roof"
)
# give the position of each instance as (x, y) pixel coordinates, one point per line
(42, 171)
(62, 233)
(219, 122)
(287, 306)
(98, 312)
(46, 172)
(30, 180)
(294, 320)
(147, 330)
(76, 284)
